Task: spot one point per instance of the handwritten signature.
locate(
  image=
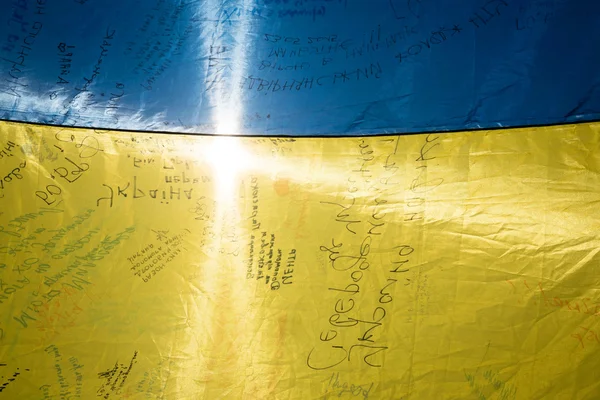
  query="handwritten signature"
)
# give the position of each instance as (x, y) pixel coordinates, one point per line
(335, 387)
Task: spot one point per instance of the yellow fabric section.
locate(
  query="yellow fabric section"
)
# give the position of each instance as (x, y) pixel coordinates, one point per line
(444, 266)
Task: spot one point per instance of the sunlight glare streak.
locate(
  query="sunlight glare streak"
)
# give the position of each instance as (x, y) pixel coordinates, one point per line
(228, 160)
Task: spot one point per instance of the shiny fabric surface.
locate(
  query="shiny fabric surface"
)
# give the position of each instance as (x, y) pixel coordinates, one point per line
(436, 266)
(299, 67)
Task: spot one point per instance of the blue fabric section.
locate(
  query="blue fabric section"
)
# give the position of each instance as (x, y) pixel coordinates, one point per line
(299, 67)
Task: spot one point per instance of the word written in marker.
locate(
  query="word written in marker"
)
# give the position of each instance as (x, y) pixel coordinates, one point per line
(587, 334)
(136, 193)
(6, 151)
(337, 388)
(114, 379)
(11, 379)
(15, 173)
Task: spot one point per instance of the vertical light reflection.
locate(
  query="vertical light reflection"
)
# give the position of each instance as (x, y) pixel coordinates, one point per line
(222, 271)
(226, 350)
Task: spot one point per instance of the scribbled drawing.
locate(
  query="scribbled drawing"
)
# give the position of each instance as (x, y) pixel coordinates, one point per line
(487, 348)
(396, 8)
(400, 8)
(413, 7)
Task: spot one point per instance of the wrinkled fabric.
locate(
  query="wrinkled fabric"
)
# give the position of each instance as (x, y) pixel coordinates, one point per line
(300, 67)
(436, 266)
